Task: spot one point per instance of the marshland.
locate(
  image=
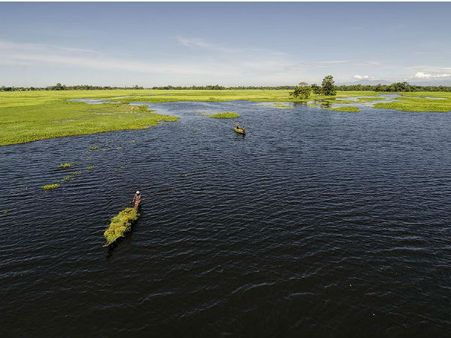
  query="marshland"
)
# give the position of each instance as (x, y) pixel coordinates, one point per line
(34, 115)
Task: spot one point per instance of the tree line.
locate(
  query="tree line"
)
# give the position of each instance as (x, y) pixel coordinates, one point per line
(328, 88)
(303, 89)
(60, 86)
(395, 87)
(299, 89)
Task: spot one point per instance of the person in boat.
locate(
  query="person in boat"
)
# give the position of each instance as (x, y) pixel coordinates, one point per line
(237, 126)
(136, 202)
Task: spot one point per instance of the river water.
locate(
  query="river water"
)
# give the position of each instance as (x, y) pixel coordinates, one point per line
(316, 224)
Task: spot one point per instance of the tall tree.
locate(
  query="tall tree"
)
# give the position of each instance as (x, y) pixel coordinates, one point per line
(328, 86)
(301, 91)
(316, 89)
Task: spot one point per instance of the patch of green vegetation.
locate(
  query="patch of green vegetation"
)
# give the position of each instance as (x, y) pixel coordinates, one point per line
(71, 176)
(52, 186)
(6, 211)
(225, 115)
(368, 99)
(93, 148)
(66, 165)
(27, 116)
(282, 105)
(120, 225)
(90, 167)
(419, 102)
(37, 115)
(349, 109)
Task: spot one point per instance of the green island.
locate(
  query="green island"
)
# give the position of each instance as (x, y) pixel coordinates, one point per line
(225, 115)
(349, 109)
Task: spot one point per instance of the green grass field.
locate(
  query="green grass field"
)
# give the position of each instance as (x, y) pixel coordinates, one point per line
(31, 116)
(37, 115)
(420, 102)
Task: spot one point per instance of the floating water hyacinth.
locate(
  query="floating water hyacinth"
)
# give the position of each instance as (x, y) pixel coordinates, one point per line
(48, 187)
(225, 115)
(120, 225)
(66, 165)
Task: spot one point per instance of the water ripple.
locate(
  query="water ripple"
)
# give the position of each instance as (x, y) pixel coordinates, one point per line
(316, 223)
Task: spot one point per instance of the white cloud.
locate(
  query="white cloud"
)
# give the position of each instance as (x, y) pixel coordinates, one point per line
(193, 42)
(229, 66)
(210, 62)
(361, 77)
(423, 75)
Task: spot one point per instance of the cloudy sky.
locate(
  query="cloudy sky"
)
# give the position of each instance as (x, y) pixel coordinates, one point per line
(154, 44)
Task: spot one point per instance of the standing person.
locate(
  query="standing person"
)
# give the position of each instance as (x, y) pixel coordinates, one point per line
(136, 202)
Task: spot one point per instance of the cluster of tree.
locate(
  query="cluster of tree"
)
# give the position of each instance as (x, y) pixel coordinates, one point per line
(59, 86)
(395, 87)
(303, 89)
(218, 87)
(208, 87)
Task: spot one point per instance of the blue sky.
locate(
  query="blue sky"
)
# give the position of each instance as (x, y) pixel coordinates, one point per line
(154, 44)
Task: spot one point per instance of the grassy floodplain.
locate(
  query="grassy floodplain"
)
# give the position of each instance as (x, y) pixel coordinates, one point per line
(225, 115)
(36, 115)
(31, 116)
(419, 102)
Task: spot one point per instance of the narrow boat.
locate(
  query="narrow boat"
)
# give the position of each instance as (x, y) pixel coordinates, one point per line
(122, 223)
(239, 130)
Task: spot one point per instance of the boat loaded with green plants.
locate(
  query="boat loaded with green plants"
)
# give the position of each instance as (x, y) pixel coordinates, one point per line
(120, 225)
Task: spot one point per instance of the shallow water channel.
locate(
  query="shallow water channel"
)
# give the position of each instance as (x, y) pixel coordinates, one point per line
(318, 223)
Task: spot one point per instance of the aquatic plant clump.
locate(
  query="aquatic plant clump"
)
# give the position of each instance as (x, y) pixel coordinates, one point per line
(71, 176)
(52, 186)
(120, 225)
(225, 115)
(348, 109)
(66, 165)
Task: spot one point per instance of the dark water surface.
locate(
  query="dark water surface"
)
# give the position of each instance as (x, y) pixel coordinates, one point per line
(316, 224)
